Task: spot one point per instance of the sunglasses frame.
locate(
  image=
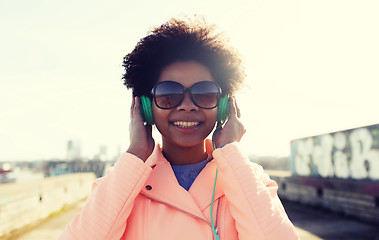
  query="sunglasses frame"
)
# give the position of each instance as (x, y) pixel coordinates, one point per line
(185, 90)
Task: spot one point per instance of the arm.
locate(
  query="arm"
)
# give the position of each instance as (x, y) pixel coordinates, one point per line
(253, 197)
(109, 205)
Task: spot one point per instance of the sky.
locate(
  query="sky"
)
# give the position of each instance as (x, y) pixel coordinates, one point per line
(312, 68)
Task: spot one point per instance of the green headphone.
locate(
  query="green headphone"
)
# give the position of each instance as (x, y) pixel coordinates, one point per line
(222, 113)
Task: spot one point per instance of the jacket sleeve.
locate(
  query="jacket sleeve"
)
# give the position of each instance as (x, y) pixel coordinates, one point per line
(112, 195)
(252, 196)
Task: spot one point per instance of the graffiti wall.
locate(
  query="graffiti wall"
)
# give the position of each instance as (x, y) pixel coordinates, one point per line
(351, 154)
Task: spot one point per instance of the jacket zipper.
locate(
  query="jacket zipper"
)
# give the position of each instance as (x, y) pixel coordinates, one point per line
(181, 210)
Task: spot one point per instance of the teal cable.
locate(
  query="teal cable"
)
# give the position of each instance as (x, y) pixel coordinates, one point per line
(213, 142)
(214, 188)
(213, 195)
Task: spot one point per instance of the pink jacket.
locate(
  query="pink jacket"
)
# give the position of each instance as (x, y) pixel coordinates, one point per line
(138, 200)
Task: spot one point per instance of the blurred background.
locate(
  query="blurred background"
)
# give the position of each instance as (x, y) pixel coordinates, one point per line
(309, 104)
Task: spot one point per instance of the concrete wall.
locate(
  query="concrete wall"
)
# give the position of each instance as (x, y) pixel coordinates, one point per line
(350, 154)
(339, 171)
(27, 202)
(357, 198)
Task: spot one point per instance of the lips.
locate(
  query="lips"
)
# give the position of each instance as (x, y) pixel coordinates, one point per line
(186, 124)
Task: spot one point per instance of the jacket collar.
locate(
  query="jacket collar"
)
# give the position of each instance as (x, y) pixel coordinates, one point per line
(165, 188)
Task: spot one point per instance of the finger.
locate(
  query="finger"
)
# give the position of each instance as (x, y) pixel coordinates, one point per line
(137, 107)
(132, 106)
(237, 108)
(137, 110)
(232, 107)
(136, 103)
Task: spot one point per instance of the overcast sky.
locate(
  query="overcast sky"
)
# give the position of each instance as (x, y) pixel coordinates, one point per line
(312, 68)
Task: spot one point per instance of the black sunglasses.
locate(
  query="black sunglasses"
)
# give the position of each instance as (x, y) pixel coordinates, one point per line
(170, 94)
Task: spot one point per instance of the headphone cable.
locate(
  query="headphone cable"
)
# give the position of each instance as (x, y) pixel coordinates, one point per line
(215, 230)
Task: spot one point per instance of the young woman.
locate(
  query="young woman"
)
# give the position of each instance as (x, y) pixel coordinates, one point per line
(183, 77)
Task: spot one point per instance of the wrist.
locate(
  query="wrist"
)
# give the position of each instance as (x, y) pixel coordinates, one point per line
(138, 153)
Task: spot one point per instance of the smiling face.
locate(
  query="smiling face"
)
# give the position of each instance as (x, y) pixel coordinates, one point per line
(185, 125)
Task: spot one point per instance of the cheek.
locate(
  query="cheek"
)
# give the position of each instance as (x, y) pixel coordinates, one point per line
(160, 117)
(212, 115)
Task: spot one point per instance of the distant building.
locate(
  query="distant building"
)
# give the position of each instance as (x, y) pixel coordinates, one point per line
(73, 150)
(102, 155)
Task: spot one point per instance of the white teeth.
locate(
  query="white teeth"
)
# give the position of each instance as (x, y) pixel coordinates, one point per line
(186, 124)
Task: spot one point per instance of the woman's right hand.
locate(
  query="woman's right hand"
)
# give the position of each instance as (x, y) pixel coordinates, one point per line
(141, 140)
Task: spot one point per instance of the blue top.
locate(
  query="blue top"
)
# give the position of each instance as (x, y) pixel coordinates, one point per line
(186, 174)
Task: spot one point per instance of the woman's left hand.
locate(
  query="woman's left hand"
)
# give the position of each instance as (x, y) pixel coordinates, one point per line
(233, 130)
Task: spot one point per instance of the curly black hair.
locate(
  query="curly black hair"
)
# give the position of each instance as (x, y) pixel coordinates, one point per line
(180, 40)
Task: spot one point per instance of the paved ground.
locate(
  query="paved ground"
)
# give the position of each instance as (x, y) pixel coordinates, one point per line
(323, 224)
(311, 224)
(53, 227)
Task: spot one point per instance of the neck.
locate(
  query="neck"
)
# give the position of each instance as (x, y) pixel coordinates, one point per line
(178, 155)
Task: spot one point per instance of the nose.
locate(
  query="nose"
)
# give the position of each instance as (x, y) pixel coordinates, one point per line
(187, 104)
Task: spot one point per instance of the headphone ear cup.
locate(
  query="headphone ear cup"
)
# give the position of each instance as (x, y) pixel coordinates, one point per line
(223, 109)
(146, 111)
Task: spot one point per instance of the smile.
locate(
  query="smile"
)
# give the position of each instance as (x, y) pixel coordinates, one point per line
(186, 124)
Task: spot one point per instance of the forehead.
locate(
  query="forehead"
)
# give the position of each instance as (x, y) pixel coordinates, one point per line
(186, 73)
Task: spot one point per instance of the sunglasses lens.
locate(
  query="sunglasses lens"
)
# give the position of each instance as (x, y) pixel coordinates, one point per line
(205, 94)
(168, 94)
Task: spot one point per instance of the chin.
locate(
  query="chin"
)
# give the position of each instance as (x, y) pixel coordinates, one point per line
(186, 143)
